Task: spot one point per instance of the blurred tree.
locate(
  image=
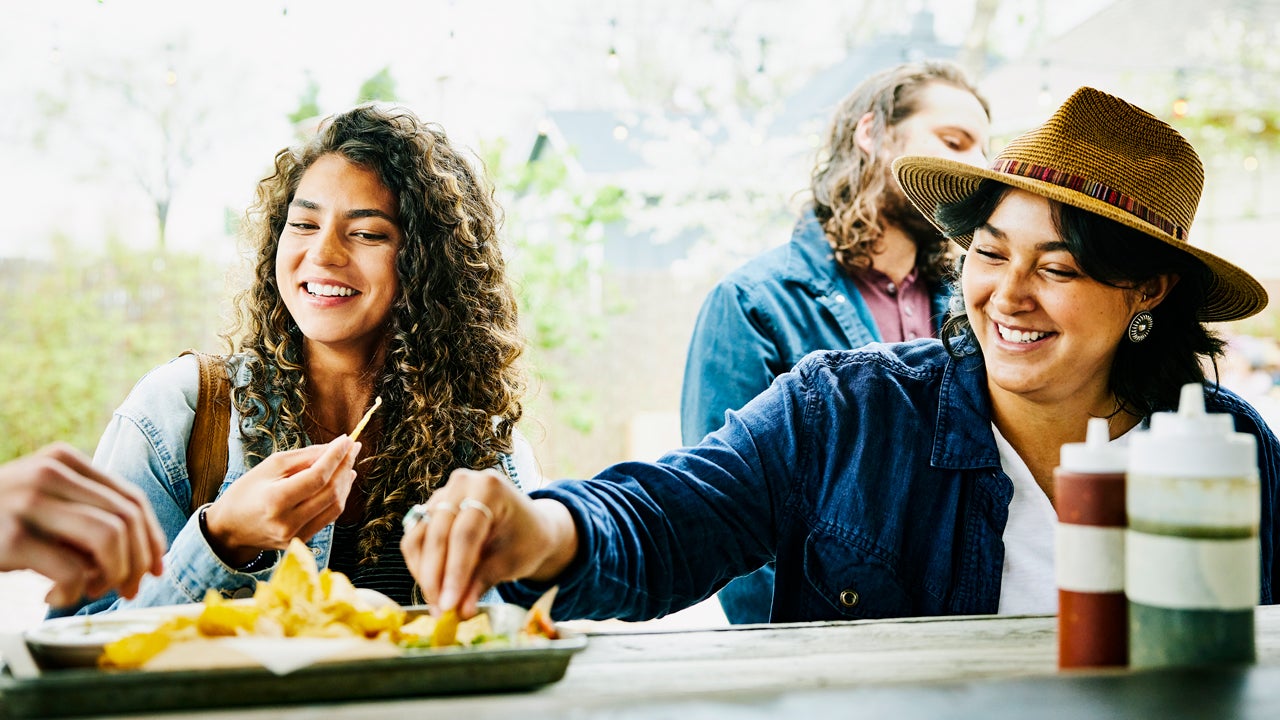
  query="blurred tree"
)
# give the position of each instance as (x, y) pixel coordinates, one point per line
(554, 228)
(308, 102)
(977, 41)
(380, 86)
(1226, 98)
(118, 312)
(145, 118)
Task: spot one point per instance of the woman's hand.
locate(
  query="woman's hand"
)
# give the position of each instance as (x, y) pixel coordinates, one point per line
(293, 493)
(87, 531)
(479, 530)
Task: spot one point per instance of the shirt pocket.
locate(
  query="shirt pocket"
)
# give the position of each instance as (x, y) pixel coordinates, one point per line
(851, 582)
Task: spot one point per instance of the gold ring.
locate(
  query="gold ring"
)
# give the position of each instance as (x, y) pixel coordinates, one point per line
(469, 504)
(417, 514)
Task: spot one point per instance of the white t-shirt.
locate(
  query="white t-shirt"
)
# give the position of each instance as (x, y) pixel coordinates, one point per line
(1027, 583)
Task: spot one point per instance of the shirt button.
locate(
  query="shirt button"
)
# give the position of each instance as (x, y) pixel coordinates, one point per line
(911, 334)
(891, 288)
(849, 597)
(839, 298)
(316, 551)
(906, 310)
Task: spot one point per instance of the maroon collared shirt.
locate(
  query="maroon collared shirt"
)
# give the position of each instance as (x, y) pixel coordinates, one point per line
(901, 310)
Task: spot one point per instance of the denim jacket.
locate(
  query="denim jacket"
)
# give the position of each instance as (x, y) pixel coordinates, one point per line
(756, 325)
(146, 444)
(764, 317)
(871, 478)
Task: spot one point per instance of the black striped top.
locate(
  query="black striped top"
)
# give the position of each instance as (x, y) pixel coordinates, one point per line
(388, 576)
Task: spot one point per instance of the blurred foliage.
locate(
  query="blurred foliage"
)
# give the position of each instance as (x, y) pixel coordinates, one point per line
(380, 86)
(81, 329)
(555, 228)
(308, 102)
(1227, 102)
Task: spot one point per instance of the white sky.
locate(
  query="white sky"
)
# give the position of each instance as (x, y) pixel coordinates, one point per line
(485, 69)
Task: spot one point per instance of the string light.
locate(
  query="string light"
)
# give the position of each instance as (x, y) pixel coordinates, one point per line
(611, 60)
(1180, 104)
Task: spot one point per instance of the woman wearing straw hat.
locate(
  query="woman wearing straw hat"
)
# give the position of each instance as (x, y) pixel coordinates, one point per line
(914, 478)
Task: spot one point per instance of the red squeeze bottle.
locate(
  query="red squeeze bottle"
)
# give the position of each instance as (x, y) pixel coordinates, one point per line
(1093, 615)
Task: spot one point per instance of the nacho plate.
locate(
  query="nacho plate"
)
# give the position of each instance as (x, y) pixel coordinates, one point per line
(61, 691)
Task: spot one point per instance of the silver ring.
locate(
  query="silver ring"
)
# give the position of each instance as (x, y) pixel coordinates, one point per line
(417, 514)
(442, 506)
(470, 504)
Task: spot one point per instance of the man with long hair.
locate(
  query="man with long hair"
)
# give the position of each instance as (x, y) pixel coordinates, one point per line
(862, 264)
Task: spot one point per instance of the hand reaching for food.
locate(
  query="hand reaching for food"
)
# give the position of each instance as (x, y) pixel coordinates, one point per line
(479, 530)
(87, 531)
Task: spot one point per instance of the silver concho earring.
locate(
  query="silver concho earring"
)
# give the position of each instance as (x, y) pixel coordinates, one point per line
(1140, 327)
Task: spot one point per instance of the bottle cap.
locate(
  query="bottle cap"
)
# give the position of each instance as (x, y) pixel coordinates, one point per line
(1097, 454)
(1192, 442)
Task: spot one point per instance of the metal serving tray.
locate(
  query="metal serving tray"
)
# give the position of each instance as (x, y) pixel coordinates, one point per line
(418, 672)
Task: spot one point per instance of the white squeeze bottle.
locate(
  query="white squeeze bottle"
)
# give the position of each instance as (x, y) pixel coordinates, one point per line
(1192, 556)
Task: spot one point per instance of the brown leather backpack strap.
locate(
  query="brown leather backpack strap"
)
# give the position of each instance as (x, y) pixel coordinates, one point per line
(207, 446)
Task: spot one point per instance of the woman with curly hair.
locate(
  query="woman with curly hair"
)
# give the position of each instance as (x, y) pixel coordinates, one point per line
(377, 273)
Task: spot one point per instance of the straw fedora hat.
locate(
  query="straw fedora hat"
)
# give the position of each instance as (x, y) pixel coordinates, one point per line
(1100, 154)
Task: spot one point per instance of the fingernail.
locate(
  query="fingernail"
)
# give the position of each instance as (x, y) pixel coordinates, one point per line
(448, 598)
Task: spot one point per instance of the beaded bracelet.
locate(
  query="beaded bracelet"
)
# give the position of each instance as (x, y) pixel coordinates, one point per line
(259, 563)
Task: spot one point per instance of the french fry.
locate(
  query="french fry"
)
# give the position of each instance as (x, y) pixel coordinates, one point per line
(364, 420)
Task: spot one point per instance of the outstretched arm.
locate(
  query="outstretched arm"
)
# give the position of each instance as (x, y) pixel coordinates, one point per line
(88, 531)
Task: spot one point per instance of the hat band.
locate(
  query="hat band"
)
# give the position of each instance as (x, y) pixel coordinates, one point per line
(1093, 189)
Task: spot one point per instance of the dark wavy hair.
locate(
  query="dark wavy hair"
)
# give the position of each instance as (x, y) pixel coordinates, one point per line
(450, 382)
(848, 185)
(1145, 377)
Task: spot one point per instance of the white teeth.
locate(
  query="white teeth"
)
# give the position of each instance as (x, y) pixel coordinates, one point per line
(1019, 336)
(329, 290)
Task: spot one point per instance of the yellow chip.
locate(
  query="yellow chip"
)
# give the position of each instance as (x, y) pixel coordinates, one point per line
(477, 629)
(446, 629)
(377, 403)
(220, 618)
(298, 601)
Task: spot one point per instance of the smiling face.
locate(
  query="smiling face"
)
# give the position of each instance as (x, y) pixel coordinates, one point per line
(1048, 332)
(336, 259)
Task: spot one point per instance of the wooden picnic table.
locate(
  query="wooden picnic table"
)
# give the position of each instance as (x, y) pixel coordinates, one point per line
(987, 667)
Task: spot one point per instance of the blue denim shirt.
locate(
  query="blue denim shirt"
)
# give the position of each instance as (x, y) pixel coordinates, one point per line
(146, 444)
(871, 477)
(757, 324)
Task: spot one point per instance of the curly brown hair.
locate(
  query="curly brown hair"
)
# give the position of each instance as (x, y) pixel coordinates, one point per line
(451, 382)
(849, 187)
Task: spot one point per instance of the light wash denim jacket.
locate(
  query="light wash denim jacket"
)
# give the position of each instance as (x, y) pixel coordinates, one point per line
(871, 477)
(146, 444)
